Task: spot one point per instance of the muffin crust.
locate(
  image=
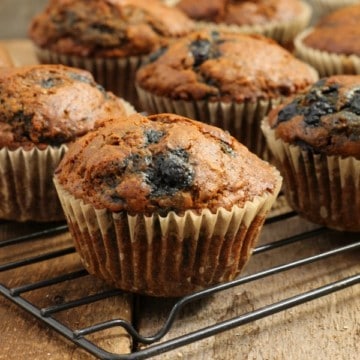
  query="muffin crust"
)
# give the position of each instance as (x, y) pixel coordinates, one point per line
(324, 120)
(160, 163)
(107, 28)
(50, 105)
(219, 66)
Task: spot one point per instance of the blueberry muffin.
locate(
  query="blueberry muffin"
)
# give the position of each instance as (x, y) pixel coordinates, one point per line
(315, 140)
(44, 108)
(222, 78)
(278, 19)
(107, 37)
(332, 46)
(164, 205)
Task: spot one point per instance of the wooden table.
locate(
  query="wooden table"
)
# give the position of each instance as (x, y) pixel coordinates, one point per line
(323, 329)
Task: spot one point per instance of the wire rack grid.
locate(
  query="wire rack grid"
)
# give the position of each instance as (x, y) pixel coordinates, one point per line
(155, 344)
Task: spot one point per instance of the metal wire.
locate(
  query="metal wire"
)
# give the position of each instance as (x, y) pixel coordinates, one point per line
(78, 335)
(210, 291)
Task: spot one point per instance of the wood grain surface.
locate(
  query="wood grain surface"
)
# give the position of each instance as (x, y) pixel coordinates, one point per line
(22, 336)
(323, 329)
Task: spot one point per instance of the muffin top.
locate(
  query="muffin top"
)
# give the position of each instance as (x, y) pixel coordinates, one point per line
(107, 28)
(241, 12)
(223, 66)
(5, 59)
(326, 119)
(337, 32)
(163, 163)
(50, 105)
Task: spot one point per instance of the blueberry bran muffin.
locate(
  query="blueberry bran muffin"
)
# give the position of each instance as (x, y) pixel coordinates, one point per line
(316, 141)
(164, 205)
(278, 19)
(332, 46)
(43, 109)
(209, 76)
(110, 38)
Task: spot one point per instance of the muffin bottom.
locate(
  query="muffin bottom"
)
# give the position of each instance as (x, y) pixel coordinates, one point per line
(323, 189)
(27, 192)
(165, 256)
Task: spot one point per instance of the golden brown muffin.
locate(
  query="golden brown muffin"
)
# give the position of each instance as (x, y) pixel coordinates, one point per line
(187, 196)
(209, 67)
(278, 19)
(316, 141)
(50, 105)
(331, 46)
(326, 120)
(110, 38)
(107, 28)
(44, 108)
(220, 66)
(337, 33)
(162, 163)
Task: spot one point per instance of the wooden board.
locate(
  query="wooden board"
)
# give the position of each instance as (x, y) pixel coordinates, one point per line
(326, 328)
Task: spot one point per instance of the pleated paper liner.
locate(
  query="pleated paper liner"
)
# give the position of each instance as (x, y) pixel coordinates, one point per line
(165, 256)
(241, 120)
(283, 32)
(323, 189)
(26, 189)
(326, 63)
(114, 74)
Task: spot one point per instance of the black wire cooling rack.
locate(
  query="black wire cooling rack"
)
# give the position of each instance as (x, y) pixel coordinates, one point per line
(156, 345)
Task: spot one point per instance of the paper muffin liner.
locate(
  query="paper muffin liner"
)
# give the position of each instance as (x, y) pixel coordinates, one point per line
(165, 256)
(26, 189)
(326, 63)
(114, 74)
(283, 32)
(241, 120)
(323, 189)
